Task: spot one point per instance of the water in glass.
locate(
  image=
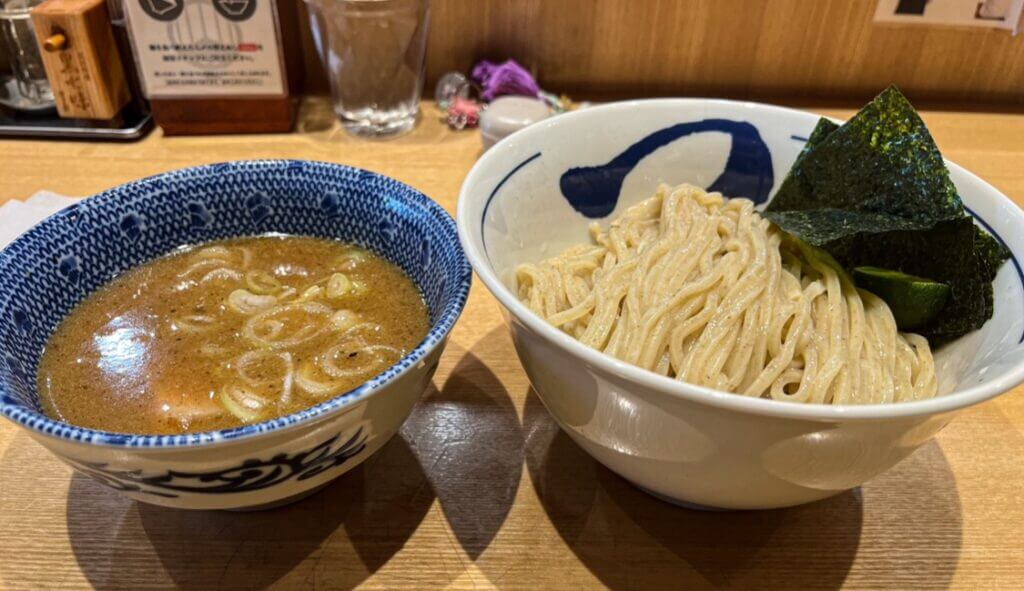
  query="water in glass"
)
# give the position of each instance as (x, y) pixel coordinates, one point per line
(374, 52)
(23, 53)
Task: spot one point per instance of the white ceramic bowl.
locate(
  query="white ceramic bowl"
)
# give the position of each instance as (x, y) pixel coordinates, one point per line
(53, 266)
(535, 193)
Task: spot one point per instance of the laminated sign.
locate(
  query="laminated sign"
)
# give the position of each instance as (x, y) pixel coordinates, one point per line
(206, 48)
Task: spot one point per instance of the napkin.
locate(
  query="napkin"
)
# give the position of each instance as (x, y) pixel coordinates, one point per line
(18, 216)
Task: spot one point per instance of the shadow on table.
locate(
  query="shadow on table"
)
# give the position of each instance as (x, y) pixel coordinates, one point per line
(629, 539)
(462, 445)
(348, 531)
(469, 438)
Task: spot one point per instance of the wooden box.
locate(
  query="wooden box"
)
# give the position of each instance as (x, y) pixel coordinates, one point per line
(81, 58)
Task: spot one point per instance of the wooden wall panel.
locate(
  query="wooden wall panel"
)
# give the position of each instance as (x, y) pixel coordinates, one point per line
(735, 48)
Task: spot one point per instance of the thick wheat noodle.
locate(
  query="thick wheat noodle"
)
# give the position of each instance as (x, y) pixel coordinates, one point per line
(703, 289)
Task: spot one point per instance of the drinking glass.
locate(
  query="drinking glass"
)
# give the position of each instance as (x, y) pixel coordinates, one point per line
(23, 53)
(374, 52)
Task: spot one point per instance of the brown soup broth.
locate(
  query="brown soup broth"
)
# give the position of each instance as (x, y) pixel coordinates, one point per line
(229, 333)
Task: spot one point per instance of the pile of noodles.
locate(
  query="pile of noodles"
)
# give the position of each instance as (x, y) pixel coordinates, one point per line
(700, 288)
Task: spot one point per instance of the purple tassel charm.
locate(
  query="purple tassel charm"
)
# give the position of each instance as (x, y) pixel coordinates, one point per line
(508, 78)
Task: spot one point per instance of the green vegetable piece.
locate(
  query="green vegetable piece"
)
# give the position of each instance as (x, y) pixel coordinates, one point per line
(945, 254)
(913, 300)
(882, 161)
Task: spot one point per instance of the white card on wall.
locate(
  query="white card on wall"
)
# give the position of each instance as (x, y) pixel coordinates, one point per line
(993, 14)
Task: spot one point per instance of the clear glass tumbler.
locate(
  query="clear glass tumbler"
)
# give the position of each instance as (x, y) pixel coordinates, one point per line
(23, 53)
(374, 52)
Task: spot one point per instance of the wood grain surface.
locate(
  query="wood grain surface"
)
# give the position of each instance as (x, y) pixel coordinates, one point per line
(734, 48)
(85, 71)
(481, 490)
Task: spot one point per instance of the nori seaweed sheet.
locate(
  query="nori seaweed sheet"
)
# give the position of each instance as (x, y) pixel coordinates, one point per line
(991, 252)
(876, 192)
(882, 161)
(822, 227)
(818, 134)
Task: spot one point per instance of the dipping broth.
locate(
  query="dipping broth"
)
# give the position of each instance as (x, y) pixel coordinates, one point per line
(229, 333)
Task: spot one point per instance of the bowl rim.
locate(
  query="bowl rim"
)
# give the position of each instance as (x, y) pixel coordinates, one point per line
(43, 425)
(664, 385)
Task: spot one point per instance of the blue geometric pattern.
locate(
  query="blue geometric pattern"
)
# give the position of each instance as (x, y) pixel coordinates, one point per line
(56, 264)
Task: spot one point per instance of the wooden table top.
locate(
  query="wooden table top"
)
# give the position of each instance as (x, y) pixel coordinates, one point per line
(481, 490)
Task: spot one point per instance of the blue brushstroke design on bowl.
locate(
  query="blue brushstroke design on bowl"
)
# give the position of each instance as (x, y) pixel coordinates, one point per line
(594, 190)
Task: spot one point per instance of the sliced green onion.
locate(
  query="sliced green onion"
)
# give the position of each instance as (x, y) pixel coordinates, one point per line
(262, 283)
(310, 294)
(344, 319)
(246, 302)
(194, 323)
(350, 260)
(339, 285)
(242, 403)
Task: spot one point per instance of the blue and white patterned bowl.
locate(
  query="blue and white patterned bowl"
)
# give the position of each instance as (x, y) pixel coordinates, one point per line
(535, 193)
(59, 262)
